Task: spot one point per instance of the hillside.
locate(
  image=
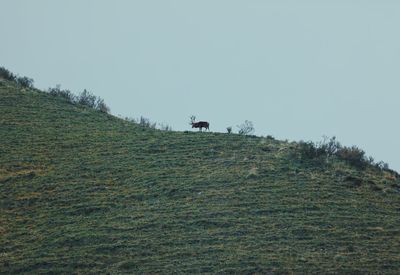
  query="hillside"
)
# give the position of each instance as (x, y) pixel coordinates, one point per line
(85, 192)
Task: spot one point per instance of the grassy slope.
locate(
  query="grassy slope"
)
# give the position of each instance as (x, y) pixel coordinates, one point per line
(85, 191)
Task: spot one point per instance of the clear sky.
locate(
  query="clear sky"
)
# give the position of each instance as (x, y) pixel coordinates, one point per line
(296, 69)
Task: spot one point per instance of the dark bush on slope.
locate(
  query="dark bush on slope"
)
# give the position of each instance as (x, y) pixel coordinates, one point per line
(85, 98)
(6, 74)
(354, 156)
(66, 94)
(25, 82)
(21, 81)
(331, 148)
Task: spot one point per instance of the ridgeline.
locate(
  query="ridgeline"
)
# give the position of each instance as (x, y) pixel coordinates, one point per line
(82, 191)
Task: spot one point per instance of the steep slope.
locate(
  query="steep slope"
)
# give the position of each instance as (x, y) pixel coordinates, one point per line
(83, 191)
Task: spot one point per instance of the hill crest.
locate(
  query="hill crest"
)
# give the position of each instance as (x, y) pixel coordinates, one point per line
(83, 191)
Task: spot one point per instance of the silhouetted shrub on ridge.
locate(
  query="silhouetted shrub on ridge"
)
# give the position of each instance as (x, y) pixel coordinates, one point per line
(332, 148)
(309, 150)
(24, 82)
(90, 100)
(382, 165)
(325, 148)
(87, 98)
(246, 128)
(6, 74)
(354, 156)
(21, 81)
(66, 94)
(101, 105)
(329, 147)
(165, 127)
(146, 123)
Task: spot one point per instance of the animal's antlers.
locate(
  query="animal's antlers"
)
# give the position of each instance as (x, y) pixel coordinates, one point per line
(192, 119)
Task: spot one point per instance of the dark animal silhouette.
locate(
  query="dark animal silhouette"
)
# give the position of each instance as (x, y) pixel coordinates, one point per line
(201, 125)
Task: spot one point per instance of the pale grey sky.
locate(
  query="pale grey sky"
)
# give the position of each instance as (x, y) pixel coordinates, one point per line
(296, 69)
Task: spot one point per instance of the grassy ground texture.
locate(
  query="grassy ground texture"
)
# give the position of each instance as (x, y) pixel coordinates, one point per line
(85, 192)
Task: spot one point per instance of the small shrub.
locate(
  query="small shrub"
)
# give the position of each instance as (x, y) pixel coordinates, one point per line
(66, 94)
(130, 120)
(229, 129)
(309, 150)
(332, 148)
(24, 82)
(353, 155)
(246, 128)
(145, 122)
(87, 98)
(6, 74)
(165, 127)
(324, 149)
(101, 105)
(329, 147)
(383, 166)
(21, 81)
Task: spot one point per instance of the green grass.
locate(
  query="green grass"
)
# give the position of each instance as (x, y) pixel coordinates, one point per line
(85, 192)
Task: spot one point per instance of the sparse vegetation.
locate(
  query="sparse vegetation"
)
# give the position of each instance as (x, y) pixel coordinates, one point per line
(147, 123)
(246, 128)
(165, 127)
(66, 94)
(7, 75)
(22, 81)
(309, 150)
(85, 98)
(382, 166)
(101, 105)
(25, 82)
(320, 150)
(354, 156)
(331, 148)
